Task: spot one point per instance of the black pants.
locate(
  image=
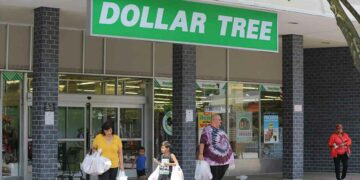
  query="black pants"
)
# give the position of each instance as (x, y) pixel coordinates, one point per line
(218, 172)
(344, 159)
(109, 174)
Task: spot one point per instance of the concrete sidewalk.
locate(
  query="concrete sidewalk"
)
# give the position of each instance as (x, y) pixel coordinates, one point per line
(307, 176)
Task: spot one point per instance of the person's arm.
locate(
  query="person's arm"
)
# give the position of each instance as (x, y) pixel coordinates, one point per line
(95, 146)
(121, 157)
(203, 141)
(201, 151)
(348, 140)
(331, 142)
(175, 163)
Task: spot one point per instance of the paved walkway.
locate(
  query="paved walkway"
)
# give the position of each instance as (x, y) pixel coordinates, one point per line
(307, 176)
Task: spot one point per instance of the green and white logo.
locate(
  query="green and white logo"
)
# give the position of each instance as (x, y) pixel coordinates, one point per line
(184, 22)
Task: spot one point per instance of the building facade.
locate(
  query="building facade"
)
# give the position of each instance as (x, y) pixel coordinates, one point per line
(130, 82)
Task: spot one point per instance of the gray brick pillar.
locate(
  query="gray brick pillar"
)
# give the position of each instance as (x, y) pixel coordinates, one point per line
(184, 83)
(45, 93)
(293, 94)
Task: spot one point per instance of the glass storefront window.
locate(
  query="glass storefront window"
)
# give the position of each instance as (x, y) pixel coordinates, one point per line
(71, 122)
(70, 155)
(88, 84)
(244, 119)
(271, 133)
(210, 98)
(102, 114)
(162, 112)
(77, 84)
(130, 150)
(11, 128)
(131, 86)
(130, 123)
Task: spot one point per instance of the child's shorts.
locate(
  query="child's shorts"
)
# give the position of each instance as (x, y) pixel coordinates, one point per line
(141, 173)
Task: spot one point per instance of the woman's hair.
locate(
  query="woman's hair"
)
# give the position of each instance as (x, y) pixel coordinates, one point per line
(166, 144)
(106, 126)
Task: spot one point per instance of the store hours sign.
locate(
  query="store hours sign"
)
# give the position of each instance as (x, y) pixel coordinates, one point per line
(185, 22)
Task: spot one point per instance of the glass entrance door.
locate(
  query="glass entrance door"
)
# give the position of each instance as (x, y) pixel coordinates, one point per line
(128, 124)
(80, 121)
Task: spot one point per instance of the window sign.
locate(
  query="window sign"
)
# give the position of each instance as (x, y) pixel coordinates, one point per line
(244, 127)
(271, 128)
(184, 22)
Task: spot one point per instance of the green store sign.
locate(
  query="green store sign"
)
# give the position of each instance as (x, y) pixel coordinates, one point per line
(179, 21)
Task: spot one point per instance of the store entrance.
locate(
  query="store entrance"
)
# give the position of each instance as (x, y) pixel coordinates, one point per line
(80, 120)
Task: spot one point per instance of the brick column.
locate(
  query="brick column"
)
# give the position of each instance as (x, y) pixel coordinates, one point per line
(45, 93)
(184, 84)
(293, 93)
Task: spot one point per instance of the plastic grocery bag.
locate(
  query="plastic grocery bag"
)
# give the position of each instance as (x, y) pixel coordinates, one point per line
(202, 171)
(121, 175)
(177, 173)
(95, 164)
(155, 174)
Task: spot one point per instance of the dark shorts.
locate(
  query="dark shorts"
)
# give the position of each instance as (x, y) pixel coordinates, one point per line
(141, 173)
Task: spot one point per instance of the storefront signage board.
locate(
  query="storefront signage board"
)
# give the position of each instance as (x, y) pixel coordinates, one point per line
(184, 22)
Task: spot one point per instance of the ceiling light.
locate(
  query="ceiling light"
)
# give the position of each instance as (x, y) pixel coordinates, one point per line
(166, 95)
(85, 83)
(135, 87)
(132, 93)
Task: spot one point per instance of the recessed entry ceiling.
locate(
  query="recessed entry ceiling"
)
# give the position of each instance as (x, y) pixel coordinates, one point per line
(318, 30)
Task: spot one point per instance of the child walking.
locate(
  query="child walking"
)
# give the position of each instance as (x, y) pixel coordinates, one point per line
(140, 164)
(166, 161)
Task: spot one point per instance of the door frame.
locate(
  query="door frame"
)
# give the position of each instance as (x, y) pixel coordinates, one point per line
(81, 100)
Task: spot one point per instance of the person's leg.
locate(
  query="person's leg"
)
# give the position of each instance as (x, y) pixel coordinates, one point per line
(214, 172)
(344, 160)
(105, 175)
(222, 170)
(113, 173)
(337, 167)
(143, 175)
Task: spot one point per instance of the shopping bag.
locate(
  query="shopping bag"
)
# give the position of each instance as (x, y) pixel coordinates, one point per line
(177, 173)
(121, 175)
(155, 174)
(95, 164)
(202, 171)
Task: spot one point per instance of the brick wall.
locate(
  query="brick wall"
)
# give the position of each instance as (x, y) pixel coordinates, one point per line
(332, 95)
(293, 122)
(45, 91)
(184, 82)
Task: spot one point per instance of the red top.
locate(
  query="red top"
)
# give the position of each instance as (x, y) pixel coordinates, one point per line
(337, 149)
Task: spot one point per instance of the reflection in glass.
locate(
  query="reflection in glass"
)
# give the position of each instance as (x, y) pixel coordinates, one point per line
(130, 150)
(244, 119)
(101, 115)
(130, 123)
(10, 128)
(70, 155)
(71, 122)
(131, 86)
(77, 84)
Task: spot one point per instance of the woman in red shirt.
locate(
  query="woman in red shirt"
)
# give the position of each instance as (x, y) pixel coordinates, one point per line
(339, 144)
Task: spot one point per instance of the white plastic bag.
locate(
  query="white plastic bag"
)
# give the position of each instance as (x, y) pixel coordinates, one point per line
(95, 164)
(202, 171)
(176, 173)
(155, 174)
(121, 175)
